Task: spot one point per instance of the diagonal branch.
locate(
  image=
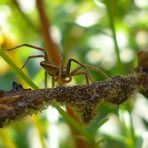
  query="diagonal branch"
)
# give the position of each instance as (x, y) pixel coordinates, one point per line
(84, 99)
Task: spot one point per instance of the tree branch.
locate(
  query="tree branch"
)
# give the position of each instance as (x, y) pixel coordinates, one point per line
(84, 99)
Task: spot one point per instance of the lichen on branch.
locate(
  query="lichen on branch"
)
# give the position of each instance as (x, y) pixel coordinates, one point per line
(84, 99)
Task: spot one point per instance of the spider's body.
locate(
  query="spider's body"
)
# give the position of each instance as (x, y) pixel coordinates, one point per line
(55, 72)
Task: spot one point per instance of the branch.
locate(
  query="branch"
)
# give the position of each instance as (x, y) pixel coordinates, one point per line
(52, 51)
(20, 102)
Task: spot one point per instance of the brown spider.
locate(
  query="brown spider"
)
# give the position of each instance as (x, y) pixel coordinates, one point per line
(60, 74)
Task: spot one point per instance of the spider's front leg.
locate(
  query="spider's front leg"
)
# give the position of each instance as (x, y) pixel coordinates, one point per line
(31, 57)
(25, 45)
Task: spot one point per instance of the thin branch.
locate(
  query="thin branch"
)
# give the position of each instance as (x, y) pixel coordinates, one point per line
(84, 99)
(52, 50)
(112, 26)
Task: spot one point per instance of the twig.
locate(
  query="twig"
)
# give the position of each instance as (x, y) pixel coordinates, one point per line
(84, 99)
(51, 48)
(112, 27)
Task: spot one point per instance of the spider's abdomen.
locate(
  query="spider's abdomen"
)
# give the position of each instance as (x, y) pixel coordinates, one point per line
(49, 68)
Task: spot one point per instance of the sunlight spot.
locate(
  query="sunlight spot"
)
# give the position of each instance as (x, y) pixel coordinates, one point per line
(53, 131)
(52, 114)
(27, 5)
(122, 39)
(101, 41)
(145, 139)
(141, 3)
(141, 107)
(33, 138)
(142, 38)
(102, 51)
(99, 4)
(55, 33)
(126, 55)
(4, 13)
(111, 127)
(88, 19)
(93, 56)
(53, 136)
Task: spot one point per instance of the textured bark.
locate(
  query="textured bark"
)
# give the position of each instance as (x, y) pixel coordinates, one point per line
(84, 99)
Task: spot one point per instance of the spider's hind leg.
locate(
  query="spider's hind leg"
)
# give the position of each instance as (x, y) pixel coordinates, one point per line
(78, 71)
(87, 69)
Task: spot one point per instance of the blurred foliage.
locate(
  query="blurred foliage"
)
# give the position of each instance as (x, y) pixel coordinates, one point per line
(106, 34)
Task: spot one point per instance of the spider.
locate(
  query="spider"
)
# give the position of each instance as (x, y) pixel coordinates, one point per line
(61, 74)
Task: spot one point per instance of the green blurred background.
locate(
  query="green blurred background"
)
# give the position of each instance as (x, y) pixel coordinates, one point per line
(106, 34)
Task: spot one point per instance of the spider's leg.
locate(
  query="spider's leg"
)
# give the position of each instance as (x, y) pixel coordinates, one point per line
(60, 74)
(27, 45)
(31, 57)
(53, 81)
(80, 72)
(87, 68)
(81, 65)
(98, 70)
(46, 80)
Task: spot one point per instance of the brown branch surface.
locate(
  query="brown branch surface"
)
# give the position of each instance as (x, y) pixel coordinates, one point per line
(51, 48)
(84, 99)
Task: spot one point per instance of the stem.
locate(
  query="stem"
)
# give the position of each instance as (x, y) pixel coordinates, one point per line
(112, 26)
(132, 132)
(51, 48)
(73, 122)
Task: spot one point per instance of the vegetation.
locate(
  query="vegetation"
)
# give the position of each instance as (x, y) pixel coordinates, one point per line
(106, 34)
